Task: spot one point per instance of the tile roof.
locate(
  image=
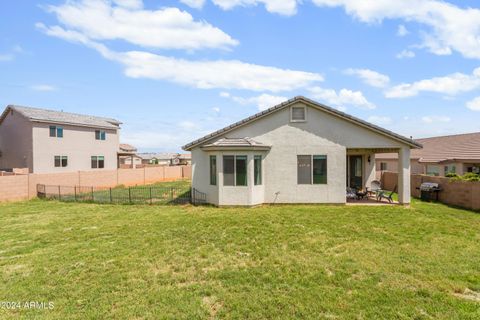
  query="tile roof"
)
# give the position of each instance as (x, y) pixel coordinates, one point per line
(159, 156)
(125, 147)
(311, 103)
(52, 116)
(444, 148)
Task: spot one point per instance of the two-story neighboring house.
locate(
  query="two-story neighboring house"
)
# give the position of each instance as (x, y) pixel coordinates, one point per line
(47, 141)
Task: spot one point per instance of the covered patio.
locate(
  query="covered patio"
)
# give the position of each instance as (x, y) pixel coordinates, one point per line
(360, 173)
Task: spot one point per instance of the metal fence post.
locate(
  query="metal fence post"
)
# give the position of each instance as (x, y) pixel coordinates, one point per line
(111, 195)
(75, 193)
(171, 193)
(192, 196)
(59, 193)
(150, 195)
(129, 195)
(93, 197)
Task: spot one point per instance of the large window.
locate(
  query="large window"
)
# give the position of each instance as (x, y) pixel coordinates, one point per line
(98, 162)
(60, 161)
(235, 170)
(213, 170)
(450, 169)
(319, 169)
(56, 131)
(309, 167)
(257, 170)
(100, 135)
(433, 170)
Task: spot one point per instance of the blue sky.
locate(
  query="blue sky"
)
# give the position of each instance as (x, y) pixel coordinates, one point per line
(173, 71)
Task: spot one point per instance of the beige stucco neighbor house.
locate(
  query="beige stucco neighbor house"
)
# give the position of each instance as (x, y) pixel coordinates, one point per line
(299, 151)
(47, 141)
(441, 155)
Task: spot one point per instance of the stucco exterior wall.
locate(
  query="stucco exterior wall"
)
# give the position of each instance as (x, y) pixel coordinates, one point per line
(321, 134)
(78, 144)
(16, 142)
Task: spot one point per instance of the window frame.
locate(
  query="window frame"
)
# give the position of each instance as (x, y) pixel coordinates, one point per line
(100, 135)
(383, 166)
(60, 160)
(55, 131)
(235, 182)
(311, 171)
(97, 162)
(257, 159)
(213, 170)
(304, 113)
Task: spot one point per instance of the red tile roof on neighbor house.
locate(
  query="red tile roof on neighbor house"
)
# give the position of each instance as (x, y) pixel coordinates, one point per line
(461, 147)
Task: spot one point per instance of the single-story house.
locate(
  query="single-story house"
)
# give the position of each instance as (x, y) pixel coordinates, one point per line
(440, 155)
(127, 157)
(299, 151)
(165, 159)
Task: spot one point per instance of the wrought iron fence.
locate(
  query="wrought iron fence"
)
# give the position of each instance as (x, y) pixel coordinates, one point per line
(122, 195)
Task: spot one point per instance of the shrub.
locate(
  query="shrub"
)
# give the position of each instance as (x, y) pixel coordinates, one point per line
(451, 175)
(470, 176)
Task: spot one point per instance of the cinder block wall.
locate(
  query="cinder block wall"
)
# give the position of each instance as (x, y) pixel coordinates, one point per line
(464, 194)
(22, 187)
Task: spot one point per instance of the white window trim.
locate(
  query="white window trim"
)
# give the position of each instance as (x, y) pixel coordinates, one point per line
(291, 113)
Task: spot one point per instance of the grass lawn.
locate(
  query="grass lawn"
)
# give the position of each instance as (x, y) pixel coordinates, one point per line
(274, 262)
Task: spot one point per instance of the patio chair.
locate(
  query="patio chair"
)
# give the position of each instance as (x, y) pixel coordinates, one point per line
(351, 193)
(382, 194)
(375, 186)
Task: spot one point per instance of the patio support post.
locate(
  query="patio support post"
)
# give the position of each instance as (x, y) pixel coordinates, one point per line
(404, 175)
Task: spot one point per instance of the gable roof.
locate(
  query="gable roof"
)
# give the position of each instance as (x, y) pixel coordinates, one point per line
(52, 116)
(313, 104)
(444, 148)
(233, 143)
(125, 147)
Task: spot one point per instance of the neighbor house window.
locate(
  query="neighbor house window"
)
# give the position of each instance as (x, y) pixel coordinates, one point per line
(298, 114)
(433, 170)
(309, 167)
(98, 162)
(257, 170)
(56, 131)
(60, 161)
(100, 134)
(213, 170)
(450, 169)
(383, 166)
(235, 170)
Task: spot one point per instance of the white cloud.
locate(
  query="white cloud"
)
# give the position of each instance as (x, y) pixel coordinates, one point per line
(370, 77)
(166, 28)
(7, 57)
(405, 54)
(379, 120)
(451, 27)
(451, 85)
(283, 7)
(402, 31)
(188, 125)
(222, 74)
(197, 4)
(434, 119)
(43, 87)
(263, 101)
(224, 94)
(474, 104)
(216, 109)
(342, 98)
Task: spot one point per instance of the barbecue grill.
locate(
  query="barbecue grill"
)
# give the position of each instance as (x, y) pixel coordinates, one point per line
(429, 191)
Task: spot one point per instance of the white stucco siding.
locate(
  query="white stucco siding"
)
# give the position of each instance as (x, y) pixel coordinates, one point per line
(321, 134)
(16, 142)
(201, 174)
(78, 144)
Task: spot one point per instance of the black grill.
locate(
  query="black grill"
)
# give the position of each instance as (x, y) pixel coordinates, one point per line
(429, 191)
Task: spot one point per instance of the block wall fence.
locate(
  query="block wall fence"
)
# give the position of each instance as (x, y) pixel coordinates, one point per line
(23, 187)
(465, 194)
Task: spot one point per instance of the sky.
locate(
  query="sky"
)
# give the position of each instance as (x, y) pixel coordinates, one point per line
(173, 71)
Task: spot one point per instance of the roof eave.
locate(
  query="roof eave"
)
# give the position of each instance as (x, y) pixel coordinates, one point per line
(235, 148)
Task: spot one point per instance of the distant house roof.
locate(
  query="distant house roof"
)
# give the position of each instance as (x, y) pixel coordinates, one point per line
(313, 104)
(185, 156)
(124, 147)
(52, 116)
(158, 156)
(236, 143)
(461, 147)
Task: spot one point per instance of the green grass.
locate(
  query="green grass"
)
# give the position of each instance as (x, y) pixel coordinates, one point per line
(274, 262)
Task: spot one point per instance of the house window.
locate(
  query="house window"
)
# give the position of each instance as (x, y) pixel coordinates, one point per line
(234, 170)
(298, 114)
(450, 169)
(312, 166)
(56, 131)
(60, 161)
(433, 170)
(257, 170)
(319, 169)
(98, 162)
(383, 166)
(100, 135)
(213, 170)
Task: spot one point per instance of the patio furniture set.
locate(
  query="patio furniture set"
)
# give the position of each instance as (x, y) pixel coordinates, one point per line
(375, 191)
